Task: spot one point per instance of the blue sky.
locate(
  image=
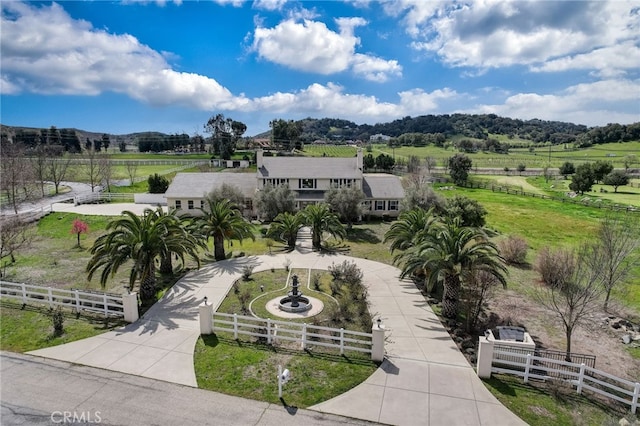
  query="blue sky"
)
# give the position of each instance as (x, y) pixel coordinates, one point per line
(129, 66)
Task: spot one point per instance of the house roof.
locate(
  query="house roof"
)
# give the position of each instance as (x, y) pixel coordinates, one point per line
(382, 186)
(309, 167)
(197, 185)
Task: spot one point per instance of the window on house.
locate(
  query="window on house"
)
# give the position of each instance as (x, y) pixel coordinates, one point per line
(190, 204)
(379, 205)
(366, 205)
(307, 183)
(178, 204)
(276, 182)
(202, 204)
(393, 204)
(341, 183)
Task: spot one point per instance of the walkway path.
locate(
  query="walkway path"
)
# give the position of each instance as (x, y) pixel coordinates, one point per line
(425, 380)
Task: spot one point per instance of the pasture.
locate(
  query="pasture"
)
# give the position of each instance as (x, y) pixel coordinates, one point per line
(537, 158)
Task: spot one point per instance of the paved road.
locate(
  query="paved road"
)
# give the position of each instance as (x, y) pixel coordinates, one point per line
(27, 206)
(37, 391)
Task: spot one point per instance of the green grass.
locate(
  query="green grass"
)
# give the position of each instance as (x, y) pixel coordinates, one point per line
(542, 405)
(249, 370)
(329, 151)
(30, 328)
(539, 158)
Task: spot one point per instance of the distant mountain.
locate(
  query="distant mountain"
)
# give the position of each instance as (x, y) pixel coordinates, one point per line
(475, 126)
(30, 133)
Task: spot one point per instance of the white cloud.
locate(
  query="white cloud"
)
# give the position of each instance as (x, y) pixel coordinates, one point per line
(234, 3)
(608, 61)
(593, 104)
(417, 101)
(497, 33)
(45, 51)
(269, 4)
(312, 47)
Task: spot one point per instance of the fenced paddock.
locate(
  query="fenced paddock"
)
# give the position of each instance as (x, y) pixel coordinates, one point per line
(103, 303)
(275, 331)
(580, 376)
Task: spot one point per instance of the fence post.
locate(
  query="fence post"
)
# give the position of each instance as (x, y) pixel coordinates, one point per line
(303, 345)
(24, 293)
(105, 308)
(77, 301)
(130, 307)
(526, 369)
(50, 297)
(235, 326)
(269, 330)
(636, 398)
(377, 341)
(341, 341)
(205, 312)
(580, 379)
(485, 357)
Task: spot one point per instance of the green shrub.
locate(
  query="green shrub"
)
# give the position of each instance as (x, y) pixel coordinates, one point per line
(57, 320)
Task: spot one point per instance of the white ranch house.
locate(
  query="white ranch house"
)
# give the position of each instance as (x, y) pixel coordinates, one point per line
(308, 177)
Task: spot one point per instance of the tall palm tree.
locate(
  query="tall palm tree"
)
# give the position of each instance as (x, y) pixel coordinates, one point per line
(410, 223)
(285, 227)
(321, 219)
(141, 240)
(178, 224)
(451, 253)
(222, 220)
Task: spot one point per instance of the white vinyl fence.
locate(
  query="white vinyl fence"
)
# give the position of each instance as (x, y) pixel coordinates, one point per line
(273, 331)
(106, 304)
(95, 197)
(579, 375)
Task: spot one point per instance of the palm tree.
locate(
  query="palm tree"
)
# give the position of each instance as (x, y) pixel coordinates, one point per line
(410, 223)
(285, 227)
(142, 240)
(321, 219)
(452, 253)
(222, 220)
(179, 224)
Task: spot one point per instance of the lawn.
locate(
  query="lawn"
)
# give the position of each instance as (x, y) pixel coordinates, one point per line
(30, 328)
(543, 404)
(249, 369)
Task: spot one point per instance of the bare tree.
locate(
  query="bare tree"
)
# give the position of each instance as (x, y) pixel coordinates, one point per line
(430, 164)
(39, 166)
(15, 175)
(57, 167)
(618, 241)
(476, 291)
(573, 295)
(92, 168)
(106, 170)
(131, 167)
(14, 234)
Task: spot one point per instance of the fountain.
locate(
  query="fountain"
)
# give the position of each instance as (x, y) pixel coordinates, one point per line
(294, 301)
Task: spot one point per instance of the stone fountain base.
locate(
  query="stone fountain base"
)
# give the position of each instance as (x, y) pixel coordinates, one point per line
(273, 306)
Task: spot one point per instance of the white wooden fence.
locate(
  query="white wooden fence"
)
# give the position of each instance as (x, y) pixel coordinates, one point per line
(273, 331)
(579, 375)
(94, 197)
(106, 304)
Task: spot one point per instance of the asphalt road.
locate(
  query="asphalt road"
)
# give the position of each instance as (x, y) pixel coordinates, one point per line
(38, 391)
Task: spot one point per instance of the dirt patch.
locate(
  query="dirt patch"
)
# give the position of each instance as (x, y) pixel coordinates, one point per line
(594, 338)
